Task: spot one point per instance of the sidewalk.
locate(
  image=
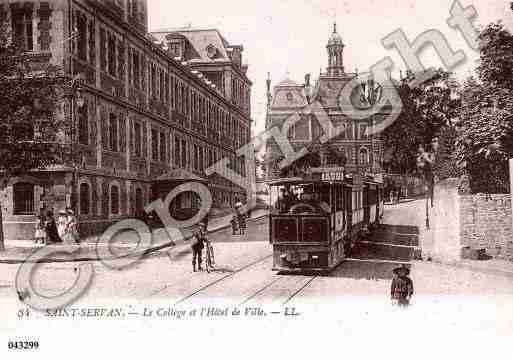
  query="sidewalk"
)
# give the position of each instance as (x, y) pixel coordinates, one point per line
(17, 252)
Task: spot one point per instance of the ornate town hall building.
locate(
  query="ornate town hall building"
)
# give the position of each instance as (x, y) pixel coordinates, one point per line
(353, 148)
(151, 108)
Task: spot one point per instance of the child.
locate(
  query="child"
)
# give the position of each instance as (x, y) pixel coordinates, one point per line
(40, 235)
(401, 290)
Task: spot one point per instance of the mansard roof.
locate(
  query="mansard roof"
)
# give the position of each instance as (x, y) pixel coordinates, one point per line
(200, 41)
(288, 94)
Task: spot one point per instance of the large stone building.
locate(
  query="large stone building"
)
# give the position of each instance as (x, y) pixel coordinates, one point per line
(152, 106)
(361, 153)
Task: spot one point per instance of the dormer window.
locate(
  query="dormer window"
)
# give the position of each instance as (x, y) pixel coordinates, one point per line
(211, 51)
(176, 46)
(22, 28)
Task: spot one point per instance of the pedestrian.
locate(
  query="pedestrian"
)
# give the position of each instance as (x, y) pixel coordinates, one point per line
(401, 290)
(62, 224)
(198, 243)
(52, 234)
(241, 221)
(72, 227)
(234, 224)
(205, 220)
(40, 235)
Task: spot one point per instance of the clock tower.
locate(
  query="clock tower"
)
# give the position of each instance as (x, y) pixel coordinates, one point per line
(335, 54)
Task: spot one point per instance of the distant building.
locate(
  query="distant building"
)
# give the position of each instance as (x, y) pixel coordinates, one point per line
(362, 153)
(153, 104)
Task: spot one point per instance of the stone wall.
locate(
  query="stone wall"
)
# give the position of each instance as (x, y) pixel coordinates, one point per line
(477, 221)
(486, 224)
(442, 241)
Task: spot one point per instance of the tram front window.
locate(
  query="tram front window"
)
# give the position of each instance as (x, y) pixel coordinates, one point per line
(303, 199)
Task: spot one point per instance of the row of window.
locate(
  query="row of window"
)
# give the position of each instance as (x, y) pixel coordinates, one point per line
(23, 199)
(240, 94)
(159, 142)
(162, 86)
(308, 130)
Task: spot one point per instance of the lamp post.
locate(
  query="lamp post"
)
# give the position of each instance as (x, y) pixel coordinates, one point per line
(425, 162)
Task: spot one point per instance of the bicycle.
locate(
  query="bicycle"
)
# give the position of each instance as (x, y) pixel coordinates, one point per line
(209, 257)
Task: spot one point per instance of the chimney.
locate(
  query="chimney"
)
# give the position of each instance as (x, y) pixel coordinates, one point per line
(237, 55)
(308, 88)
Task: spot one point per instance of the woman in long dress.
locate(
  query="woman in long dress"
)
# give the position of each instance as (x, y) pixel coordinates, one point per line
(62, 225)
(72, 227)
(52, 234)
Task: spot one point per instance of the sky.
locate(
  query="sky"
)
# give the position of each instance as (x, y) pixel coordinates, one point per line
(287, 38)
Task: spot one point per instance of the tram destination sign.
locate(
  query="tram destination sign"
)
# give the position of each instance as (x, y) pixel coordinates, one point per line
(330, 174)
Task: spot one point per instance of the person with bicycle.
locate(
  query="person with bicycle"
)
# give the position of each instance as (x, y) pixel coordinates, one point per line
(198, 243)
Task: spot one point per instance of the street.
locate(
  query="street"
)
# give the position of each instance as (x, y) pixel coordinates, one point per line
(243, 273)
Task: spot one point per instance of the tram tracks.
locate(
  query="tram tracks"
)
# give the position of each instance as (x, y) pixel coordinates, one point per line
(300, 289)
(279, 289)
(223, 278)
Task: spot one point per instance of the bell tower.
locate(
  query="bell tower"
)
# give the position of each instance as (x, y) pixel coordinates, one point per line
(335, 54)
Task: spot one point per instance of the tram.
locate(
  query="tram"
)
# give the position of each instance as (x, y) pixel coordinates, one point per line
(316, 220)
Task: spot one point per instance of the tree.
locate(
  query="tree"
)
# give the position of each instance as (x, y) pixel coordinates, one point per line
(485, 139)
(428, 112)
(29, 125)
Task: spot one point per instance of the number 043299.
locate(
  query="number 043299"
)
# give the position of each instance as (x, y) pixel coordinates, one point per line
(23, 345)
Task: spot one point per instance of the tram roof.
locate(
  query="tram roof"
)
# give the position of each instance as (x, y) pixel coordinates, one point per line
(298, 181)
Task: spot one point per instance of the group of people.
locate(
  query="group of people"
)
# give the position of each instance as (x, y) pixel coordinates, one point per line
(63, 229)
(395, 194)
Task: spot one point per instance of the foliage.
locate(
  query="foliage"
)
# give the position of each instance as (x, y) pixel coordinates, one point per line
(29, 125)
(428, 110)
(28, 106)
(445, 165)
(485, 141)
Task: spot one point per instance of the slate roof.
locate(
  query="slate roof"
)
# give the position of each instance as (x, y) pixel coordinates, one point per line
(199, 40)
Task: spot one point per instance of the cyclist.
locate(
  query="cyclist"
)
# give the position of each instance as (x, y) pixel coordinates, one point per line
(197, 246)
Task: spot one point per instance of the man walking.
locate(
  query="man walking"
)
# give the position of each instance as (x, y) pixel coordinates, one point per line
(401, 290)
(197, 246)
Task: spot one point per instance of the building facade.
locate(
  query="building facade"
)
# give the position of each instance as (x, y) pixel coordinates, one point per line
(362, 153)
(149, 104)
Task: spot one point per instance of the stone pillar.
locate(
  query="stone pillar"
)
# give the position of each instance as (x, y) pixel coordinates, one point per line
(98, 54)
(128, 185)
(511, 185)
(128, 147)
(99, 135)
(99, 192)
(148, 147)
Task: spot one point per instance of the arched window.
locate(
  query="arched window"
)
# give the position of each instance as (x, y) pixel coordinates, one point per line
(139, 202)
(83, 125)
(364, 156)
(114, 200)
(113, 133)
(23, 199)
(85, 199)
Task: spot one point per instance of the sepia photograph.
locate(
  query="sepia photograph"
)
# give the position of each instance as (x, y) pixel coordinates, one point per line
(227, 178)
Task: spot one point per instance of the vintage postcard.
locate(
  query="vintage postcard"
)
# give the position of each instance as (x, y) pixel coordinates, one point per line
(256, 178)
